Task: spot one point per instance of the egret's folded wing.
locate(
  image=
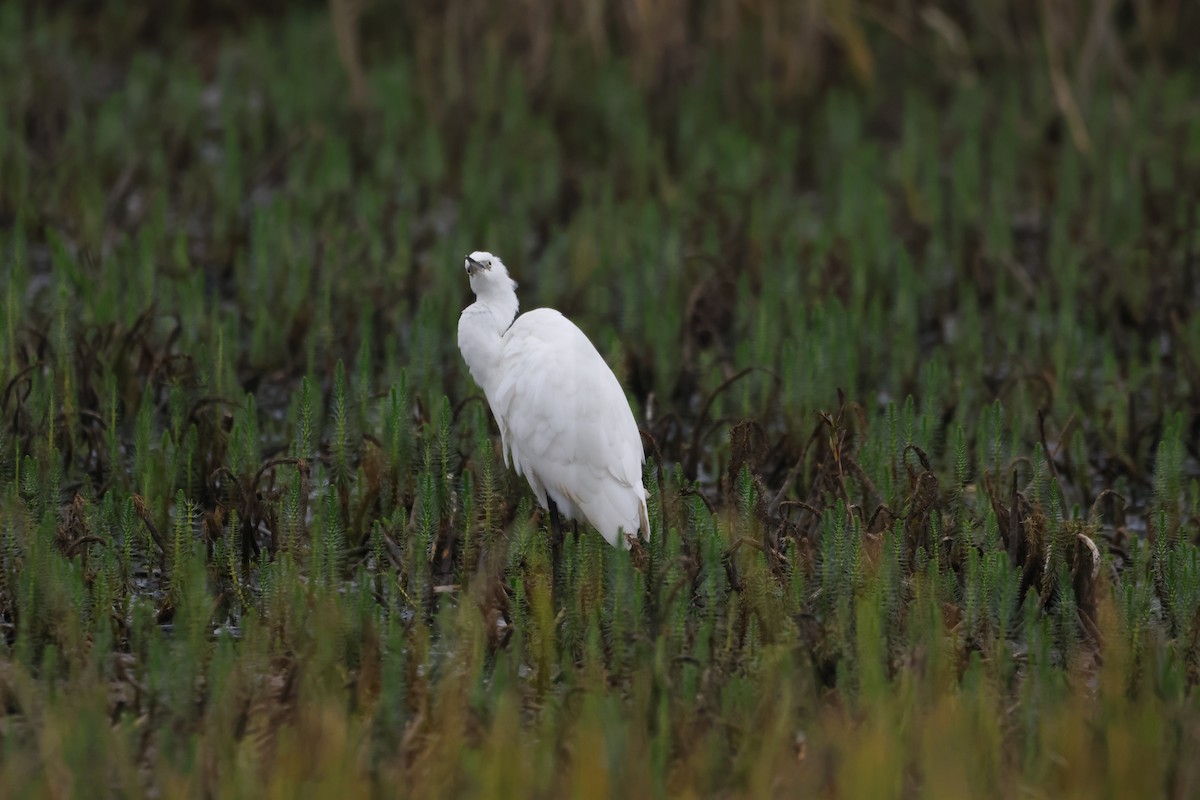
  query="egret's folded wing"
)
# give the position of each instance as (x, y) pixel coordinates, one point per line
(568, 420)
(547, 394)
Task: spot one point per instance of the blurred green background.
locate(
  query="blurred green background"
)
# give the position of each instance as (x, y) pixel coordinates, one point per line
(903, 296)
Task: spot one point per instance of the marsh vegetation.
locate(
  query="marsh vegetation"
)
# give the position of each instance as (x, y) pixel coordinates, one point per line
(904, 301)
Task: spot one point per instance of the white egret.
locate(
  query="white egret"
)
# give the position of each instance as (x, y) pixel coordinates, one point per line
(563, 417)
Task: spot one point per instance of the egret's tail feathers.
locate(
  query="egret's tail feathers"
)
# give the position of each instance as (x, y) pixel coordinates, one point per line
(645, 517)
(615, 511)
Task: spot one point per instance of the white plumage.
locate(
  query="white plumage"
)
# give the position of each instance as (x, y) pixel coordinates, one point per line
(563, 417)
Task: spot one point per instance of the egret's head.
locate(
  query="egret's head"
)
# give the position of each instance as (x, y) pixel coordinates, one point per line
(488, 274)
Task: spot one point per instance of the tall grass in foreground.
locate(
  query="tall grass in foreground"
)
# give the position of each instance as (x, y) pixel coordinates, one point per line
(917, 375)
(852, 656)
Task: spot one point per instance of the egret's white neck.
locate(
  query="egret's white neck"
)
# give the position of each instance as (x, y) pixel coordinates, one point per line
(480, 331)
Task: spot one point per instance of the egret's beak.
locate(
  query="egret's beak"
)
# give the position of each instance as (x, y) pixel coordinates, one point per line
(473, 266)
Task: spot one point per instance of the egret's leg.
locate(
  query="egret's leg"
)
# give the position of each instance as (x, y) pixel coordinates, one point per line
(556, 538)
(555, 520)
